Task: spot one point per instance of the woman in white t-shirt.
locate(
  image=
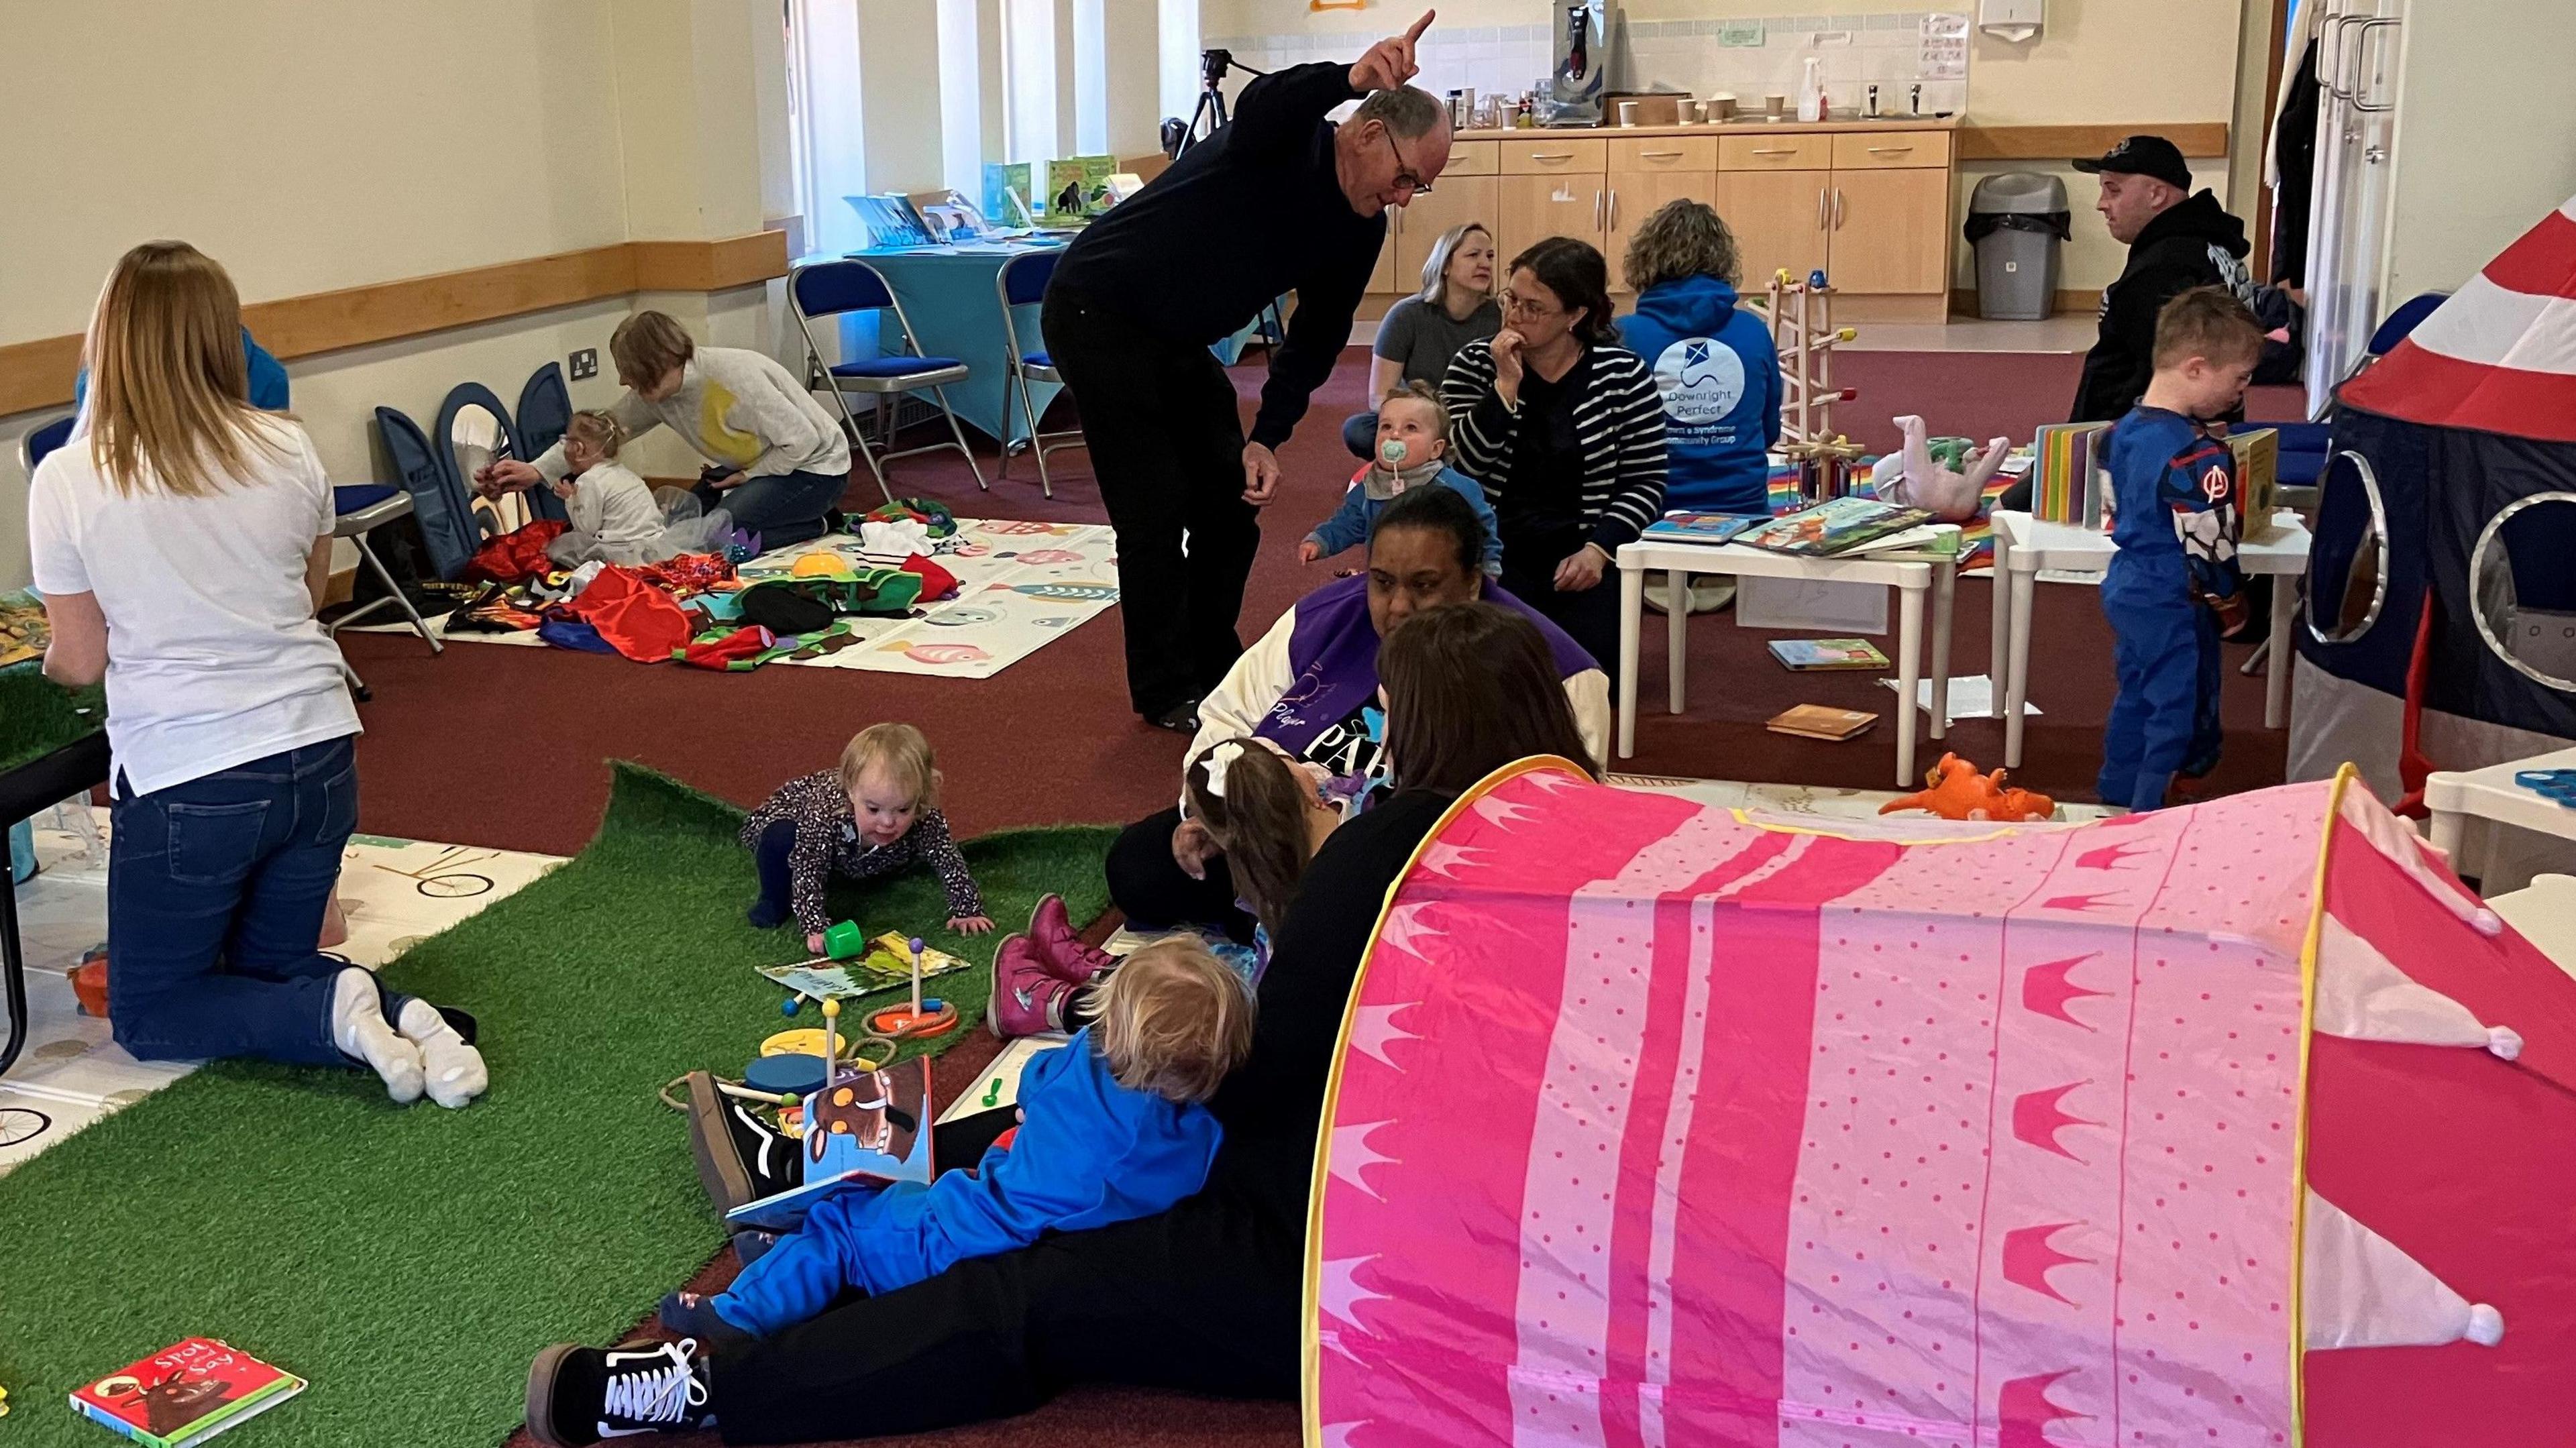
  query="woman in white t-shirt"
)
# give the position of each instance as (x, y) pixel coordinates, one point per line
(181, 540)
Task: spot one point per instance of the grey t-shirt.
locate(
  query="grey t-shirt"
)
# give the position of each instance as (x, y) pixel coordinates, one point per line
(1421, 338)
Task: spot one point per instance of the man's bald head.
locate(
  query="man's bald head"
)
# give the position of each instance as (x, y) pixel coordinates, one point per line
(1393, 146)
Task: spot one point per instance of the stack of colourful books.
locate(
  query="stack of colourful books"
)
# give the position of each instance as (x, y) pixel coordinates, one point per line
(2067, 481)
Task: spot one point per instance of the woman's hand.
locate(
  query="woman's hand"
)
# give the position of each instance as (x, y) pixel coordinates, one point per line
(1389, 63)
(814, 942)
(1192, 848)
(1507, 346)
(507, 475)
(1260, 474)
(971, 924)
(1581, 569)
(1309, 551)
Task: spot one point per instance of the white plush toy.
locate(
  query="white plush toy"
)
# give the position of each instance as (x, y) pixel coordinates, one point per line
(1949, 496)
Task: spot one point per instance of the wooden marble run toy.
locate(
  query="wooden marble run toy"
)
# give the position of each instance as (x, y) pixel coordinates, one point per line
(1804, 334)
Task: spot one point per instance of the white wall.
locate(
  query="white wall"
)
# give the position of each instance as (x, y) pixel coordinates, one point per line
(311, 147)
(2485, 143)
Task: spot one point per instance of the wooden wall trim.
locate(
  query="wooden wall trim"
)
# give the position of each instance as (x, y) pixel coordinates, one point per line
(38, 374)
(2198, 139)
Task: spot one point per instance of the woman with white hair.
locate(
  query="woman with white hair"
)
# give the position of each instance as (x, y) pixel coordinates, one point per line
(1418, 336)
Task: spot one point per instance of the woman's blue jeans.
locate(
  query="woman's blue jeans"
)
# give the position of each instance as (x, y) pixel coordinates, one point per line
(783, 508)
(215, 894)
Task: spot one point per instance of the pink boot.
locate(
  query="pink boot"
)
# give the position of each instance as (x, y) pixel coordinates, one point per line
(1059, 948)
(1029, 998)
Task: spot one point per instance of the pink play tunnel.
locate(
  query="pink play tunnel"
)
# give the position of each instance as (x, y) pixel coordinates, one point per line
(2242, 1124)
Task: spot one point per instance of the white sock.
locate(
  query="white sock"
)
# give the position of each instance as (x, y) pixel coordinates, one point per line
(454, 1069)
(358, 1028)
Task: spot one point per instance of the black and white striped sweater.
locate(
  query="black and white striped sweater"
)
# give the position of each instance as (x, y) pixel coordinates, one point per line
(1619, 418)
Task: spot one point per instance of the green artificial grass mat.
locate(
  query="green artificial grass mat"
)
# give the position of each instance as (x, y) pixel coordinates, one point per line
(39, 716)
(409, 1261)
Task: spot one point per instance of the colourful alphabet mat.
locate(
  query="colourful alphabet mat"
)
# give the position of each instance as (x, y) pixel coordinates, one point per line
(1020, 586)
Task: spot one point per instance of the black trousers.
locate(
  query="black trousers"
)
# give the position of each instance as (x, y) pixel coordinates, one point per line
(1167, 443)
(1530, 557)
(1147, 885)
(1205, 1298)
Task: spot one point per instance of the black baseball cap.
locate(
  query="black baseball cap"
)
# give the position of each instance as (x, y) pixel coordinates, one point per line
(2143, 156)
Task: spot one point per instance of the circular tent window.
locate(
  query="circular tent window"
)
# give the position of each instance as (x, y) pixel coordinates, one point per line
(2523, 588)
(2346, 593)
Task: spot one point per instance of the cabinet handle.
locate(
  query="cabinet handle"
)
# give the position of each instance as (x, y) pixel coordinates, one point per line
(1775, 150)
(1659, 155)
(1614, 210)
(1838, 208)
(1596, 210)
(1823, 203)
(1889, 150)
(1551, 155)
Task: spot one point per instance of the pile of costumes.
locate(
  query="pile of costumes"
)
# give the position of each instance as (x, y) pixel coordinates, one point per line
(701, 608)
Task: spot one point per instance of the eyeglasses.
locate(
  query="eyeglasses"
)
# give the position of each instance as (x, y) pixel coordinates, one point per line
(1530, 307)
(1405, 175)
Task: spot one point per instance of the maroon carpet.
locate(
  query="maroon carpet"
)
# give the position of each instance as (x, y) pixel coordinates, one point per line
(508, 747)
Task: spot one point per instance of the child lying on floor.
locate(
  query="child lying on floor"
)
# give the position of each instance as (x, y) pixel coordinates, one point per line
(1112, 1129)
(1412, 452)
(873, 814)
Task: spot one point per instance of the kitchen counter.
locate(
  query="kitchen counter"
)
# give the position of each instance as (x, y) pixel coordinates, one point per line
(1736, 127)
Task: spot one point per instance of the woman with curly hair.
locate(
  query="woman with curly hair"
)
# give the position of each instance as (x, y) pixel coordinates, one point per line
(1713, 362)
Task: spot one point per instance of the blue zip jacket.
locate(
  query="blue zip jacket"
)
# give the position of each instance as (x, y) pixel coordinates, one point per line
(1719, 378)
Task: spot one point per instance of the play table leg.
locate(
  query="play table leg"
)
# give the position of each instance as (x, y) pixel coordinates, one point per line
(1945, 598)
(2023, 581)
(2276, 678)
(1909, 669)
(1999, 645)
(1632, 607)
(1676, 635)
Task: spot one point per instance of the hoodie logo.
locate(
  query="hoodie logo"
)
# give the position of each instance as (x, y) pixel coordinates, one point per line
(1700, 380)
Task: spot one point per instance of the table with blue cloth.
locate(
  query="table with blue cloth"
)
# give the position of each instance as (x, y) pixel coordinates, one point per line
(952, 297)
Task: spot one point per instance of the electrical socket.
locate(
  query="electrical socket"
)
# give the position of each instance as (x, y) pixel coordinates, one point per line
(585, 363)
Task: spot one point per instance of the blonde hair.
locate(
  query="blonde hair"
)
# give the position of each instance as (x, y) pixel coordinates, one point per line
(169, 387)
(647, 345)
(599, 429)
(1435, 267)
(1172, 1020)
(898, 749)
(1420, 391)
(1684, 238)
(2209, 323)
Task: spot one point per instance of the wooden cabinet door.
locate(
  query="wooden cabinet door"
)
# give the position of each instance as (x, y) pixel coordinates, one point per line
(1891, 231)
(1634, 195)
(1534, 208)
(1456, 200)
(1779, 220)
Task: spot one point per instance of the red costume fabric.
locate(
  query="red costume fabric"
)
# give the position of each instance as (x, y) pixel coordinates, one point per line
(638, 620)
(515, 556)
(936, 582)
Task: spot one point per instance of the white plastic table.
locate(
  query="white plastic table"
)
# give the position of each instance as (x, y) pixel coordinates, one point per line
(2024, 546)
(2452, 796)
(1913, 574)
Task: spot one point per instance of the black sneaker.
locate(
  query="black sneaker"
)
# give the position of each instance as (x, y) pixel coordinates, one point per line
(580, 1395)
(740, 1158)
(1181, 718)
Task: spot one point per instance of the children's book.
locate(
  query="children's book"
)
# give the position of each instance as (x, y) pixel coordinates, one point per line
(886, 962)
(1804, 655)
(2068, 484)
(1078, 186)
(2258, 476)
(1709, 528)
(862, 1129)
(1008, 193)
(1836, 525)
(998, 1089)
(186, 1393)
(891, 220)
(1816, 721)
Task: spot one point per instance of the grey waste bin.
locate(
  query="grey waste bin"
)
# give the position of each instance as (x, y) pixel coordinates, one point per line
(2017, 221)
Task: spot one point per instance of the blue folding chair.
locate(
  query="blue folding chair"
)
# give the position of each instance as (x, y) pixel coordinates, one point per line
(45, 439)
(1023, 282)
(833, 288)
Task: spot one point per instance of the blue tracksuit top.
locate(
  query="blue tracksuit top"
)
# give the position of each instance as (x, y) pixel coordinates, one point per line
(1089, 1152)
(1719, 378)
(1349, 525)
(2177, 521)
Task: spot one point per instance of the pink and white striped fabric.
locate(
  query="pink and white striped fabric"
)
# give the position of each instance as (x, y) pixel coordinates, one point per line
(2500, 355)
(1656, 1126)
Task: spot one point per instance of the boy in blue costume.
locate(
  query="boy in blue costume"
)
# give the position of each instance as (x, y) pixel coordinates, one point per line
(1111, 1128)
(2175, 582)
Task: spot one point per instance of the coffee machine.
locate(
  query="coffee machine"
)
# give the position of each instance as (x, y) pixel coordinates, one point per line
(1582, 70)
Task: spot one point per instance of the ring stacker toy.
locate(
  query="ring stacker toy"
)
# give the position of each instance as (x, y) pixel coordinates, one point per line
(923, 1018)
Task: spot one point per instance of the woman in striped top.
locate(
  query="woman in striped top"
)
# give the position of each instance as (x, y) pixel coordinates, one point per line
(1563, 428)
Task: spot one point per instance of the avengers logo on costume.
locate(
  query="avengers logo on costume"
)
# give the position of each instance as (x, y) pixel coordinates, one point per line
(2214, 484)
(1700, 381)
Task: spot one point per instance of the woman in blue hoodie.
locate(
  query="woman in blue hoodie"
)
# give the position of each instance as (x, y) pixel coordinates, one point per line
(1714, 365)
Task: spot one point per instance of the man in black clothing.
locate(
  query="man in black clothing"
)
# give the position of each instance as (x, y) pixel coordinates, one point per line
(2177, 239)
(1281, 199)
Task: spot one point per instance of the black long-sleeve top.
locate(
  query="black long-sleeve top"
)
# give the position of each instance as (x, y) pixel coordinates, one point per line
(1252, 212)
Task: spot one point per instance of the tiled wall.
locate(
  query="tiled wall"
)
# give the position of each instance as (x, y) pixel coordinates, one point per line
(1666, 53)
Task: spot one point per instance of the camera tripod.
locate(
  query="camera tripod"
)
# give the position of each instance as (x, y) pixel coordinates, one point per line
(1179, 135)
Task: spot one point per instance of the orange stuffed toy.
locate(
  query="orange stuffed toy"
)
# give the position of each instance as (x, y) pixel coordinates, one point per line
(1958, 792)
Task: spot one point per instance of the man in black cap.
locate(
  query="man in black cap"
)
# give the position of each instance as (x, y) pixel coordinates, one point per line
(2177, 239)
